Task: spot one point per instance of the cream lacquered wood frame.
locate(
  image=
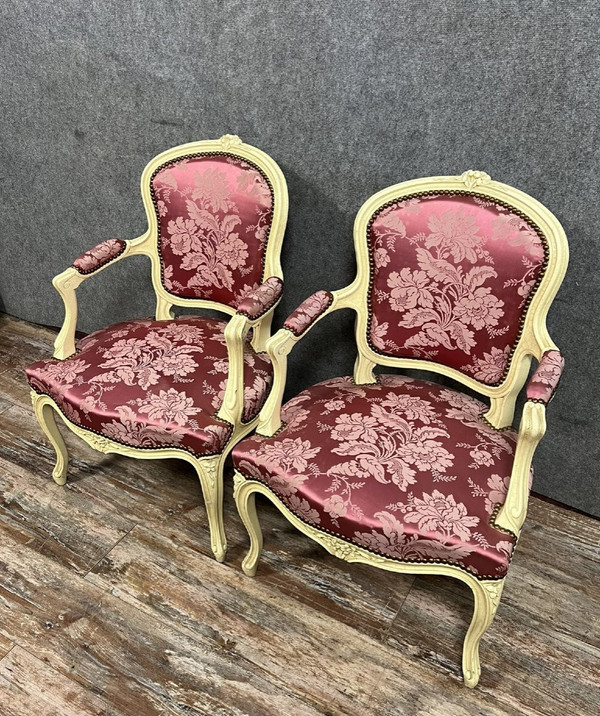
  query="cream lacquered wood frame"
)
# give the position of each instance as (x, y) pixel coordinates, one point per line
(209, 468)
(534, 341)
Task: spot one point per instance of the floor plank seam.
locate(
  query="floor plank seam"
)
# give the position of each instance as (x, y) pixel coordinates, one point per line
(7, 407)
(8, 652)
(397, 614)
(114, 546)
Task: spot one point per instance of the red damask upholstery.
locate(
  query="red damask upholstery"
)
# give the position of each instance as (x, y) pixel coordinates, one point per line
(99, 256)
(307, 312)
(452, 276)
(405, 468)
(152, 384)
(258, 301)
(544, 381)
(214, 216)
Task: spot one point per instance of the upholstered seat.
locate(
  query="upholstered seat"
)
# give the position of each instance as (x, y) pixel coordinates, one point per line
(152, 384)
(405, 468)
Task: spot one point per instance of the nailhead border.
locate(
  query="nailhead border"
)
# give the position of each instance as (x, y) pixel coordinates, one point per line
(469, 570)
(104, 263)
(313, 319)
(183, 448)
(528, 300)
(268, 307)
(196, 155)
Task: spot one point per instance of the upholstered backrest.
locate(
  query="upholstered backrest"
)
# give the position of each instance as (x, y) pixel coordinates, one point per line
(449, 268)
(214, 214)
(451, 279)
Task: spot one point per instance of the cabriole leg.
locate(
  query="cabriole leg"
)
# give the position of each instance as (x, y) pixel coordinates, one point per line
(245, 500)
(210, 473)
(486, 596)
(44, 412)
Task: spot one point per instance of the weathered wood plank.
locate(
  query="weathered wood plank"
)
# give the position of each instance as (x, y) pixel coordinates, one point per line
(527, 665)
(137, 663)
(579, 533)
(68, 525)
(316, 656)
(14, 388)
(22, 343)
(28, 687)
(294, 566)
(137, 489)
(5, 646)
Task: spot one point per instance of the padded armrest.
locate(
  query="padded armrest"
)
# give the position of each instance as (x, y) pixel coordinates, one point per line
(99, 256)
(261, 300)
(300, 320)
(545, 378)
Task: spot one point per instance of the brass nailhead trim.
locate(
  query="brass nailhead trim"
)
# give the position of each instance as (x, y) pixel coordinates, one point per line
(140, 447)
(177, 160)
(432, 560)
(314, 318)
(104, 263)
(528, 300)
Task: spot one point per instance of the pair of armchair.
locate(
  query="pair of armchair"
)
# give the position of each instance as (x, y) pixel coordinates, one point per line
(455, 275)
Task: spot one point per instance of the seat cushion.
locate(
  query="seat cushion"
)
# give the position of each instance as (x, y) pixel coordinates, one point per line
(404, 468)
(153, 384)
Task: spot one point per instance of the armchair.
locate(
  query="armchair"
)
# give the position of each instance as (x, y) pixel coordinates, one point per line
(455, 275)
(187, 387)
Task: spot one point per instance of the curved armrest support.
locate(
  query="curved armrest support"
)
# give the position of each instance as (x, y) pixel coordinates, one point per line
(252, 312)
(84, 266)
(544, 381)
(299, 322)
(531, 430)
(539, 392)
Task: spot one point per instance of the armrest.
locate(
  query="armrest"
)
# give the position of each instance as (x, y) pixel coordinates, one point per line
(99, 256)
(539, 392)
(252, 312)
(260, 300)
(84, 266)
(307, 313)
(295, 327)
(544, 381)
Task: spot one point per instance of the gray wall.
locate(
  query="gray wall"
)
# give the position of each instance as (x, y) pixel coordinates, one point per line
(348, 97)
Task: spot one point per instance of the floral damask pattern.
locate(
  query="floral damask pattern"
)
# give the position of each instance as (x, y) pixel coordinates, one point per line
(545, 378)
(451, 276)
(100, 255)
(406, 468)
(153, 384)
(259, 300)
(307, 312)
(214, 215)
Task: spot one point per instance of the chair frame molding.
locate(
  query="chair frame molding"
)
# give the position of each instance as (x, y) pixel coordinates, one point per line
(533, 341)
(209, 468)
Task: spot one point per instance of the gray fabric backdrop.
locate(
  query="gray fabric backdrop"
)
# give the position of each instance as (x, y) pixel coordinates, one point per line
(348, 97)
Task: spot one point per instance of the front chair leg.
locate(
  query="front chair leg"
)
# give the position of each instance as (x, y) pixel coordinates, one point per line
(44, 412)
(486, 594)
(244, 492)
(210, 473)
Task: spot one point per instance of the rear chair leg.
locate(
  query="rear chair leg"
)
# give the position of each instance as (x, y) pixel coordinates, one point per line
(45, 414)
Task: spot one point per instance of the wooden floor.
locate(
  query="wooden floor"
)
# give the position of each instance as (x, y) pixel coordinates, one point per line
(110, 602)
